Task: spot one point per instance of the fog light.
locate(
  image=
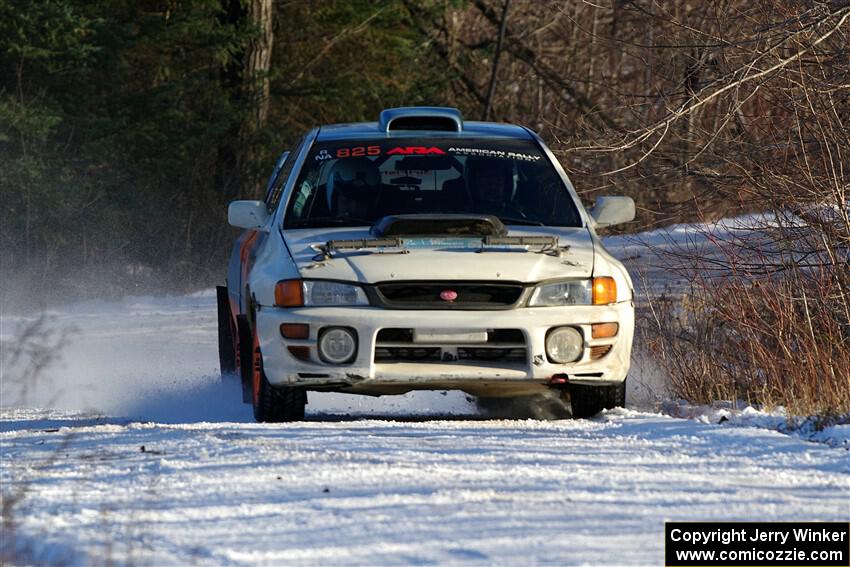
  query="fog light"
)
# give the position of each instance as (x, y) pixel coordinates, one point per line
(337, 345)
(564, 344)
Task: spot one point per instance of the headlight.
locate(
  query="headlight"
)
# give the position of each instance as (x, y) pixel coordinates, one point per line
(295, 293)
(333, 293)
(562, 293)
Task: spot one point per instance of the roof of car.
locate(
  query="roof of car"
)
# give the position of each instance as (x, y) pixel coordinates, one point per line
(371, 130)
(417, 121)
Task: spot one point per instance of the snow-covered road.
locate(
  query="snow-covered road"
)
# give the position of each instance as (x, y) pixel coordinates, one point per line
(388, 492)
(177, 472)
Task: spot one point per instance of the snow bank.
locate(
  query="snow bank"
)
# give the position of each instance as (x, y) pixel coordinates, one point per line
(834, 432)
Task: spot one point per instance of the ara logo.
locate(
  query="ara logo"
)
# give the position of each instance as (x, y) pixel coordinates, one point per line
(416, 151)
(323, 155)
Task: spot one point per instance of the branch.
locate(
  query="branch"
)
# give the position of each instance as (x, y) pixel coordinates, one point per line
(694, 102)
(561, 87)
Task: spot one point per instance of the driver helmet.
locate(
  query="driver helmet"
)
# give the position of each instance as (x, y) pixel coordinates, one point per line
(353, 186)
(490, 181)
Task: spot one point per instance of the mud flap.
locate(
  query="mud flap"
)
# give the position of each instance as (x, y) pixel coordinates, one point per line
(226, 342)
(245, 344)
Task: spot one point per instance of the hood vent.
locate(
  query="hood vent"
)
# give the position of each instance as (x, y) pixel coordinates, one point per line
(421, 118)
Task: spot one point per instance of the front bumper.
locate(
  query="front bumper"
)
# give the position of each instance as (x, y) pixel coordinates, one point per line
(497, 377)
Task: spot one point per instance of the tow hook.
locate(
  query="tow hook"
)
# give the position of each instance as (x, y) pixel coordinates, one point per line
(559, 381)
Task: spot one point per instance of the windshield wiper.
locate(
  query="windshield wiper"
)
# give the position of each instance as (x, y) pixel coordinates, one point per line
(526, 222)
(382, 245)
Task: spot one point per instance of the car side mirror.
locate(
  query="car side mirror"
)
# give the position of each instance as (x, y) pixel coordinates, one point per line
(248, 214)
(608, 211)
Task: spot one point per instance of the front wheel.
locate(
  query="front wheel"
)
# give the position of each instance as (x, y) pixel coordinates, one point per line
(273, 404)
(587, 401)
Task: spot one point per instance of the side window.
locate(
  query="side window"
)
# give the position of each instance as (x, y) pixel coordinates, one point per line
(273, 177)
(273, 198)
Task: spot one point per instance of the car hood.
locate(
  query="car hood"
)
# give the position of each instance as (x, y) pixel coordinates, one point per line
(433, 259)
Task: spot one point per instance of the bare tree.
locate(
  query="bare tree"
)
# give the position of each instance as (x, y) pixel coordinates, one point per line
(488, 106)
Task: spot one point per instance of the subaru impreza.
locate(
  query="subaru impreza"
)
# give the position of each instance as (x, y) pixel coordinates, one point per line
(422, 251)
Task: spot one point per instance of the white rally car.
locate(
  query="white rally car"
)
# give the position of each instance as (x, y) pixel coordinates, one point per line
(424, 252)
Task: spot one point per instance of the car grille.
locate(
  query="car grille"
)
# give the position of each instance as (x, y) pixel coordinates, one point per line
(470, 295)
(503, 346)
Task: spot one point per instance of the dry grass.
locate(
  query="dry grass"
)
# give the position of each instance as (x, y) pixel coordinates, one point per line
(24, 356)
(780, 338)
(26, 353)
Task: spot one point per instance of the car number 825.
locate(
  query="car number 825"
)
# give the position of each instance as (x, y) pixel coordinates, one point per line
(358, 151)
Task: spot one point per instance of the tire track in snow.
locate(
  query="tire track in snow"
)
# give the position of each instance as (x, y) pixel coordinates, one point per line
(377, 492)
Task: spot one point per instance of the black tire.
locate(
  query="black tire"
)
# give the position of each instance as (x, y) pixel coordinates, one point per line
(276, 405)
(587, 401)
(226, 336)
(271, 404)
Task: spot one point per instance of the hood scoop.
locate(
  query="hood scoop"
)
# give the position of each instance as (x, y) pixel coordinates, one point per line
(439, 225)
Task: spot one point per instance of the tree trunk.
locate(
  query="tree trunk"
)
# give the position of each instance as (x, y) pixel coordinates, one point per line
(247, 79)
(258, 62)
(491, 91)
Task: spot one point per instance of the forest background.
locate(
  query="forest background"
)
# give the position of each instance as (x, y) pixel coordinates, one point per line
(127, 126)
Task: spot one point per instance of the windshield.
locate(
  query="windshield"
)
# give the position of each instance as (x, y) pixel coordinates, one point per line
(356, 183)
